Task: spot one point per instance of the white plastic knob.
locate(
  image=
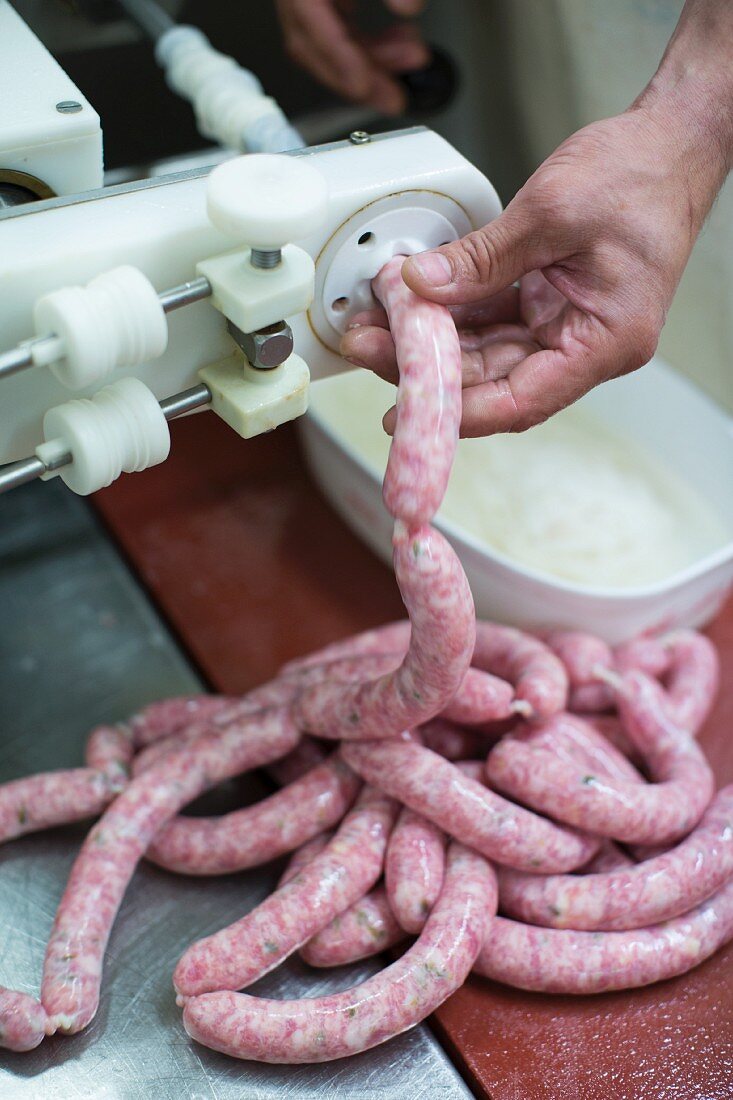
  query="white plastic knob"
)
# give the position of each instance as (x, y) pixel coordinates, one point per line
(121, 429)
(266, 200)
(116, 320)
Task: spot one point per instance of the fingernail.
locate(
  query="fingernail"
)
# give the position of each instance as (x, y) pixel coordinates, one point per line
(432, 267)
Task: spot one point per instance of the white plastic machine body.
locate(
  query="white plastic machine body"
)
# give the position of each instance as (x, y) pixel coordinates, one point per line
(50, 135)
(394, 193)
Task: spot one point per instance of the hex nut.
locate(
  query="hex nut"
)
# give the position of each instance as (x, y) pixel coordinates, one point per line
(267, 348)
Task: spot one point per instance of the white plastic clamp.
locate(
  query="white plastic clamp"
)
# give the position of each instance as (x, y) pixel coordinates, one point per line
(116, 320)
(121, 429)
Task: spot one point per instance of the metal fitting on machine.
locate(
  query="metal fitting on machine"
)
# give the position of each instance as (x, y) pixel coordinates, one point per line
(265, 258)
(267, 348)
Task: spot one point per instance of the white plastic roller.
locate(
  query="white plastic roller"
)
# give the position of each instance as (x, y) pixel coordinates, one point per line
(228, 100)
(116, 320)
(122, 429)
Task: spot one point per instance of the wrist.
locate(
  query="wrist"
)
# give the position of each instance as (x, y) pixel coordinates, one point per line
(690, 98)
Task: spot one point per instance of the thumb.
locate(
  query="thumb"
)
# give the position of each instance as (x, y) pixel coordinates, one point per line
(480, 264)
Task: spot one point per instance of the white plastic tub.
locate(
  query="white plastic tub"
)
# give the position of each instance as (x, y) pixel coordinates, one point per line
(654, 407)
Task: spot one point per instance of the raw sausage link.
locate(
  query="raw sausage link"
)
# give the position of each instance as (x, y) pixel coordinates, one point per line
(350, 670)
(611, 728)
(465, 809)
(578, 742)
(391, 638)
(53, 798)
(551, 960)
(73, 965)
(23, 1021)
(452, 742)
(259, 833)
(609, 858)
(692, 679)
(429, 399)
(110, 749)
(622, 809)
(307, 754)
(480, 698)
(323, 1028)
(413, 869)
(304, 855)
(582, 654)
(347, 867)
(646, 893)
(173, 742)
(437, 596)
(364, 929)
(644, 653)
(539, 677)
(590, 699)
(275, 693)
(169, 715)
(474, 769)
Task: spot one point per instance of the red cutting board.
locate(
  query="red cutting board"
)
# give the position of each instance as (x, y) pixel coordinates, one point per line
(250, 567)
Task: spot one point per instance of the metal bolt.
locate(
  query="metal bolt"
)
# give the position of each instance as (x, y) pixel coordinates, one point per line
(265, 257)
(267, 347)
(359, 137)
(69, 107)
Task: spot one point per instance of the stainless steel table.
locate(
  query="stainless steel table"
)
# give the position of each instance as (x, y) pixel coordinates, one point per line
(80, 644)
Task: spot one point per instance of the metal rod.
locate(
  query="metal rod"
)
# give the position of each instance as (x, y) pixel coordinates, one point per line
(149, 16)
(185, 402)
(29, 469)
(14, 360)
(185, 294)
(19, 473)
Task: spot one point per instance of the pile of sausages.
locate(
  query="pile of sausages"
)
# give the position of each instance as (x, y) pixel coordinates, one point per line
(431, 773)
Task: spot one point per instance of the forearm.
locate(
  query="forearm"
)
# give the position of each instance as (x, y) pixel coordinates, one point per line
(691, 98)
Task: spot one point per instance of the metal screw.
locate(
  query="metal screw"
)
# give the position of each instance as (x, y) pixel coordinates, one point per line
(267, 347)
(68, 107)
(265, 257)
(359, 137)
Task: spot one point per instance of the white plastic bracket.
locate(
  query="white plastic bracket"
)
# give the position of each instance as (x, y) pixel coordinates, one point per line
(254, 401)
(252, 297)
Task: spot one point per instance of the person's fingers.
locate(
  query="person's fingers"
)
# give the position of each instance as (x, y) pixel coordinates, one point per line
(540, 385)
(480, 339)
(319, 39)
(484, 262)
(405, 7)
(372, 348)
(376, 316)
(386, 94)
(486, 356)
(540, 301)
(484, 362)
(501, 308)
(398, 49)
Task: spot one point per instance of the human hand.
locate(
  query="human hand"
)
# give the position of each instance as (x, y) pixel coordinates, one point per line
(598, 239)
(320, 36)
